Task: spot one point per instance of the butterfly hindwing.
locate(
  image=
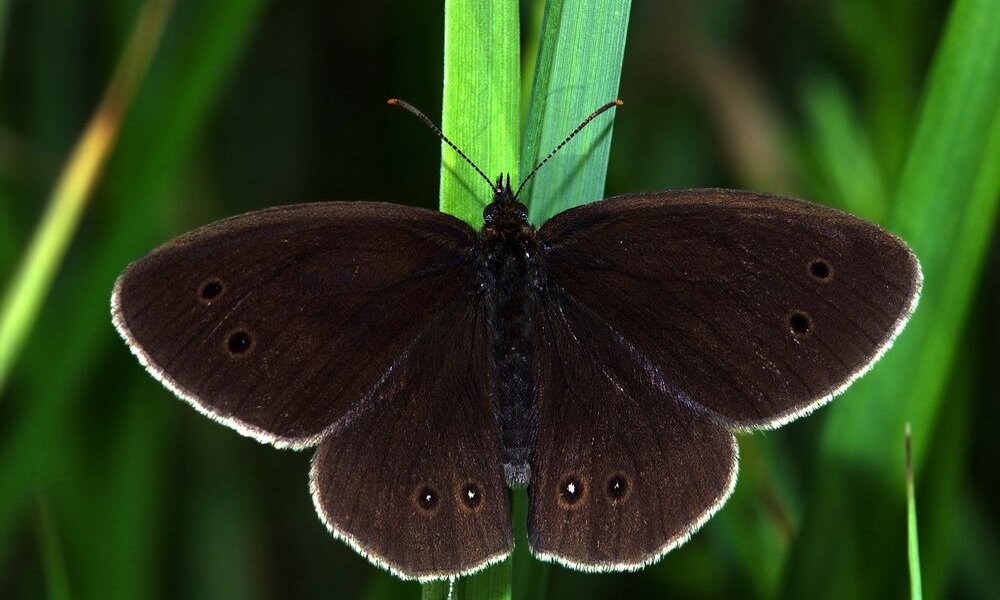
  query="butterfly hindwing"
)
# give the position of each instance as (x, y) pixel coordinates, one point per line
(754, 308)
(278, 322)
(622, 471)
(415, 483)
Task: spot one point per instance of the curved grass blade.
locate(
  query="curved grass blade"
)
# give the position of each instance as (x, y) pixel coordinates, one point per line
(34, 276)
(154, 145)
(578, 69)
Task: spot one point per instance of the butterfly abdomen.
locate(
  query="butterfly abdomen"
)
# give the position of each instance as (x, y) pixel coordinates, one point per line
(509, 271)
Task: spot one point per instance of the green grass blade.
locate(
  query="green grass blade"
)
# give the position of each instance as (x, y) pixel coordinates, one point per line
(120, 504)
(437, 590)
(166, 124)
(578, 69)
(567, 60)
(480, 107)
(530, 574)
(945, 206)
(53, 558)
(913, 545)
(34, 276)
(480, 114)
(845, 152)
(492, 584)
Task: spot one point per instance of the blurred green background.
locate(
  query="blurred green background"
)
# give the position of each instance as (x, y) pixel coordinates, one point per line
(110, 488)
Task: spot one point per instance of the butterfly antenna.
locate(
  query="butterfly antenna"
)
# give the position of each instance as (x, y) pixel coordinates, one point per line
(437, 132)
(572, 134)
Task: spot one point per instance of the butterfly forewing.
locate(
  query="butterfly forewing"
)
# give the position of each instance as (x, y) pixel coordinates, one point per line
(416, 482)
(279, 322)
(622, 471)
(750, 307)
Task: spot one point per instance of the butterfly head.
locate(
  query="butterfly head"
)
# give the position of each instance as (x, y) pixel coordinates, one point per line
(504, 207)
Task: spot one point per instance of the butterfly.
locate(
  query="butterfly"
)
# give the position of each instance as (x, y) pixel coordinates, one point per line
(603, 360)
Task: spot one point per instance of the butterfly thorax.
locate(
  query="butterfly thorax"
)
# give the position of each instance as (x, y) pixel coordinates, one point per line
(509, 280)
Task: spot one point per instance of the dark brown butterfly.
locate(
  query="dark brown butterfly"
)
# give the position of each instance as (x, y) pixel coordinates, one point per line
(603, 360)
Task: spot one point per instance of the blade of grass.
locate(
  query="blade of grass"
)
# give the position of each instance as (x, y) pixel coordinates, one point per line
(913, 545)
(945, 206)
(576, 49)
(480, 104)
(124, 504)
(437, 590)
(530, 575)
(480, 114)
(578, 69)
(531, 37)
(34, 276)
(53, 557)
(760, 518)
(168, 120)
(880, 38)
(845, 152)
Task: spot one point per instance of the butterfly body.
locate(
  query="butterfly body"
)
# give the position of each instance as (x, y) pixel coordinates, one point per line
(510, 280)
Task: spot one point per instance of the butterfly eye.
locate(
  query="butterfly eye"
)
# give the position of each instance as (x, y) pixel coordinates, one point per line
(617, 487)
(427, 499)
(239, 342)
(800, 323)
(472, 496)
(210, 290)
(571, 491)
(820, 270)
(489, 214)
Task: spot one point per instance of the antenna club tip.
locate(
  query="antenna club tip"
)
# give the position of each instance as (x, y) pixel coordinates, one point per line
(392, 101)
(618, 102)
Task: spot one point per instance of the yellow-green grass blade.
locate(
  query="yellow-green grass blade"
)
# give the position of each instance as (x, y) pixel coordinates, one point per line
(27, 291)
(167, 121)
